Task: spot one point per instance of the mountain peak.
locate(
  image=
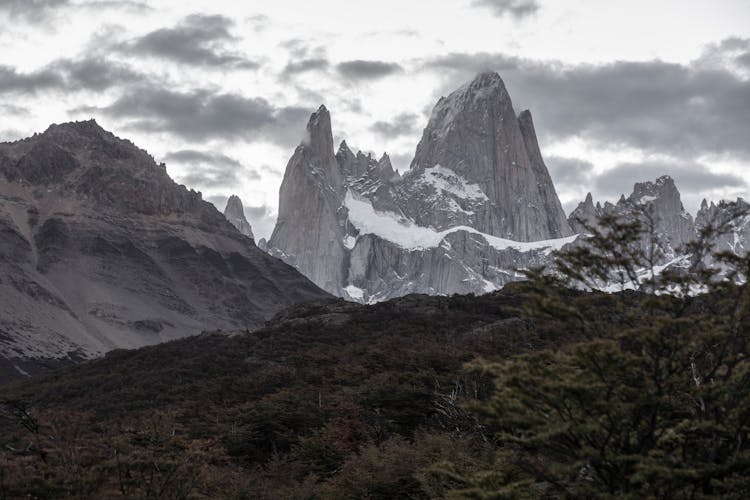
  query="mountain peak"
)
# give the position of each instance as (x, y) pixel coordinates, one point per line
(235, 213)
(319, 135)
(487, 79)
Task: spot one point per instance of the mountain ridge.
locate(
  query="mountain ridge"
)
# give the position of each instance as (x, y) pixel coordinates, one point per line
(101, 250)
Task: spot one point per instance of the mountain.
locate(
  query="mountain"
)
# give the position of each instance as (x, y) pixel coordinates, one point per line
(656, 203)
(476, 204)
(235, 213)
(736, 218)
(100, 249)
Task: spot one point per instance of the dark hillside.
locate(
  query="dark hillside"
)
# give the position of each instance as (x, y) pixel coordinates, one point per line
(317, 386)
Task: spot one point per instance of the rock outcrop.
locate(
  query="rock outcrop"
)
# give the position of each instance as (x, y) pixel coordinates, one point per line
(235, 213)
(100, 249)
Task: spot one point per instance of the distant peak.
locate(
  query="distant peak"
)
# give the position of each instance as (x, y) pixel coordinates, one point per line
(486, 84)
(234, 200)
(589, 199)
(235, 213)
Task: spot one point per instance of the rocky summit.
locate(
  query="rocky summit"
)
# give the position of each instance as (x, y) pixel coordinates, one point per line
(235, 213)
(476, 204)
(475, 134)
(100, 249)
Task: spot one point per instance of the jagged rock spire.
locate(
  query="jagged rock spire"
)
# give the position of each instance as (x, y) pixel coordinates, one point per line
(308, 234)
(235, 213)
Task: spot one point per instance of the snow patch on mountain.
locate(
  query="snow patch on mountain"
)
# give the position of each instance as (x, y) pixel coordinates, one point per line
(446, 180)
(407, 235)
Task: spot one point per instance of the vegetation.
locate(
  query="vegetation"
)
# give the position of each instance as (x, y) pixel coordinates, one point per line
(545, 389)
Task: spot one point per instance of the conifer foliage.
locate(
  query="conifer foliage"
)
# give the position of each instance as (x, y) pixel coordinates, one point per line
(657, 407)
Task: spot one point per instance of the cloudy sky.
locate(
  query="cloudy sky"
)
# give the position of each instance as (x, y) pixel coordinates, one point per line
(620, 90)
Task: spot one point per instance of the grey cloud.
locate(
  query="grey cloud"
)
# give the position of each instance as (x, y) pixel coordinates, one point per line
(131, 5)
(209, 177)
(211, 170)
(12, 109)
(690, 177)
(194, 157)
(305, 65)
(69, 75)
(302, 48)
(403, 124)
(96, 73)
(569, 172)
(401, 161)
(744, 60)
(258, 212)
(259, 22)
(10, 135)
(202, 115)
(367, 70)
(262, 219)
(197, 40)
(683, 110)
(40, 11)
(275, 172)
(32, 82)
(515, 8)
(33, 11)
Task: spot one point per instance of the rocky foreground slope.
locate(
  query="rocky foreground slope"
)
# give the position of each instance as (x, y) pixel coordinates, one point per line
(100, 249)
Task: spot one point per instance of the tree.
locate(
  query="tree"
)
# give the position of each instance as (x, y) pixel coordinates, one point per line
(654, 403)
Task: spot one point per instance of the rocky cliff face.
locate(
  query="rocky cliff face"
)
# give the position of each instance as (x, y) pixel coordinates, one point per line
(477, 204)
(100, 249)
(235, 214)
(476, 135)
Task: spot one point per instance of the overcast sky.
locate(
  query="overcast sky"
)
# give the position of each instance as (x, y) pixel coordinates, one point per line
(620, 90)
